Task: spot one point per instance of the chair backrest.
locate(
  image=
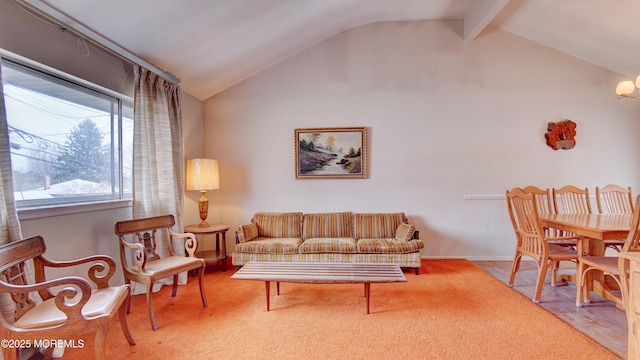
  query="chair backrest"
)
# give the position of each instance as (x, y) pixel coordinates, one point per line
(526, 222)
(571, 200)
(544, 204)
(144, 231)
(543, 199)
(614, 199)
(632, 242)
(13, 259)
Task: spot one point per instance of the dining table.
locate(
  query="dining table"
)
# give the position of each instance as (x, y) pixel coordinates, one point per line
(595, 228)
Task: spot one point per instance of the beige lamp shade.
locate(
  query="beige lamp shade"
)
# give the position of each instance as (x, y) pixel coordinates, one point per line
(202, 174)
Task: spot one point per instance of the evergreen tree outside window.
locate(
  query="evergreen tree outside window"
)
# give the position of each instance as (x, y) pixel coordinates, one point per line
(71, 142)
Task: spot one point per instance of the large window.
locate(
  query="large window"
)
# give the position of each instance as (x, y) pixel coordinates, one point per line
(70, 142)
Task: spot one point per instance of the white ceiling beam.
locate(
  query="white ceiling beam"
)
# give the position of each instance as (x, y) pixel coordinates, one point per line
(480, 15)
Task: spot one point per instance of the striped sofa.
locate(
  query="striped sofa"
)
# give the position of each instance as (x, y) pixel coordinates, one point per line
(328, 237)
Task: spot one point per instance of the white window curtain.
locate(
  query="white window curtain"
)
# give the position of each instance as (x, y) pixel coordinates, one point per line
(158, 161)
(8, 215)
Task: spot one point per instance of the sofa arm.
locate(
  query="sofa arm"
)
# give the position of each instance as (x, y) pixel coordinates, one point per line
(246, 233)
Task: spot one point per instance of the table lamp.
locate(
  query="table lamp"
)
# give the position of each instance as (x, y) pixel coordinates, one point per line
(202, 175)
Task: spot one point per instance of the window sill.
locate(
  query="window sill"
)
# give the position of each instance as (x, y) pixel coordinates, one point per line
(68, 209)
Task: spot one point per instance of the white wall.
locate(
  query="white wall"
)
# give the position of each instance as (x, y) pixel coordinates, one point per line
(446, 119)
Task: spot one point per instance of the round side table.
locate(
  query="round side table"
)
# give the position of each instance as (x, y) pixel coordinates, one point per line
(219, 255)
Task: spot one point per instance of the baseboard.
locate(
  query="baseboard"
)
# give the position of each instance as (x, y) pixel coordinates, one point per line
(472, 258)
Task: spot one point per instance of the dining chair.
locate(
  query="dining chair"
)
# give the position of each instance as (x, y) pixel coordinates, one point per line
(70, 306)
(542, 198)
(570, 199)
(609, 265)
(544, 204)
(614, 199)
(532, 241)
(141, 262)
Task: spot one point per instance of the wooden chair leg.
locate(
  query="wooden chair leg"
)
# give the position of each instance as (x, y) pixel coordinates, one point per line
(515, 266)
(48, 354)
(101, 334)
(579, 283)
(585, 289)
(175, 285)
(201, 280)
(542, 274)
(128, 306)
(11, 353)
(124, 324)
(151, 317)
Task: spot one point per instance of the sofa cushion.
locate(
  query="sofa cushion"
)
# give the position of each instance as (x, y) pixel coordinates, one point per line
(329, 245)
(388, 246)
(327, 225)
(405, 232)
(270, 246)
(247, 232)
(279, 225)
(376, 226)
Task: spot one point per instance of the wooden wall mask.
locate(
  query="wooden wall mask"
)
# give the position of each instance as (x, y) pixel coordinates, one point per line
(561, 135)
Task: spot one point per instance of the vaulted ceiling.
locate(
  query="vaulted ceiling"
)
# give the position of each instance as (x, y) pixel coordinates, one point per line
(210, 45)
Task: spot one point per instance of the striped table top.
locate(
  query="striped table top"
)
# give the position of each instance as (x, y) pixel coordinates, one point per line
(313, 272)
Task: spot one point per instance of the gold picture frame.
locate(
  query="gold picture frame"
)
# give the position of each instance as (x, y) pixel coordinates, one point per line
(331, 153)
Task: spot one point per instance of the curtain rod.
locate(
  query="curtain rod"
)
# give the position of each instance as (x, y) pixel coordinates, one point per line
(70, 24)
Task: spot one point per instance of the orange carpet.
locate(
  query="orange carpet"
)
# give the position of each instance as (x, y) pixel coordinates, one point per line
(452, 310)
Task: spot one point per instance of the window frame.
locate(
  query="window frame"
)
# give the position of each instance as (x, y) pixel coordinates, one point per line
(28, 209)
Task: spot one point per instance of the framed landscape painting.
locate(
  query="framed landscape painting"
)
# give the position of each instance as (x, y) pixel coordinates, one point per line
(331, 153)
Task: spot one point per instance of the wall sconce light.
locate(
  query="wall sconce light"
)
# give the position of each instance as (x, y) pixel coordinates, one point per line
(627, 87)
(202, 175)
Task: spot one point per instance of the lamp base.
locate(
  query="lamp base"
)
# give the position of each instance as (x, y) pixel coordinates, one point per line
(203, 208)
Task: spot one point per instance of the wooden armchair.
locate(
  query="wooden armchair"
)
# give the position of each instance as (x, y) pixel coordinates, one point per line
(544, 205)
(141, 263)
(532, 241)
(74, 310)
(616, 200)
(610, 265)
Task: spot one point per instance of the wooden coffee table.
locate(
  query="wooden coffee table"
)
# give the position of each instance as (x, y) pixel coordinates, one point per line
(320, 273)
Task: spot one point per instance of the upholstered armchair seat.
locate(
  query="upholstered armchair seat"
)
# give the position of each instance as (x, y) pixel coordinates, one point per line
(160, 267)
(47, 314)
